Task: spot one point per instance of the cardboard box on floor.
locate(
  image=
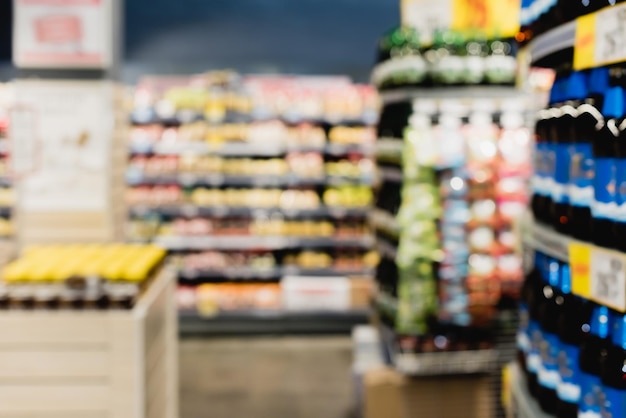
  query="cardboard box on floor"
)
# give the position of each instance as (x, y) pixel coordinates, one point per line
(388, 394)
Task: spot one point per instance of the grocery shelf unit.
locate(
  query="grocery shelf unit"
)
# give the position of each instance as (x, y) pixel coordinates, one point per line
(403, 162)
(262, 235)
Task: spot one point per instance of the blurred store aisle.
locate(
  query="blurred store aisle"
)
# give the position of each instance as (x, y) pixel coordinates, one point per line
(282, 377)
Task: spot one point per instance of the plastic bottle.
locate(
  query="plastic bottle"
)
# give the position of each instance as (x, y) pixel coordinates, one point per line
(535, 294)
(593, 351)
(614, 371)
(549, 308)
(573, 324)
(604, 206)
(565, 137)
(589, 119)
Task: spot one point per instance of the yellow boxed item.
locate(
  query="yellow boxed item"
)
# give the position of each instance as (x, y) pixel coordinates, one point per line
(388, 394)
(79, 276)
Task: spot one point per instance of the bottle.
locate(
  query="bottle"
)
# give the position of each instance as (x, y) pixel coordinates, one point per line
(573, 323)
(533, 357)
(613, 373)
(523, 337)
(565, 134)
(539, 199)
(549, 308)
(589, 118)
(558, 95)
(593, 351)
(604, 205)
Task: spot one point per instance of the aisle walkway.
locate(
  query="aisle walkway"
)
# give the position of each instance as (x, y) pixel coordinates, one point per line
(283, 377)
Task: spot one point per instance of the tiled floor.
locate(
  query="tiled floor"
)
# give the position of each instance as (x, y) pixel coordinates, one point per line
(282, 377)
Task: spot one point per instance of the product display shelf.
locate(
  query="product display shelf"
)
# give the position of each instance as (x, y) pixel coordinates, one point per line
(113, 363)
(272, 322)
(255, 274)
(437, 363)
(555, 40)
(218, 180)
(242, 149)
(195, 190)
(191, 210)
(181, 243)
(519, 402)
(454, 93)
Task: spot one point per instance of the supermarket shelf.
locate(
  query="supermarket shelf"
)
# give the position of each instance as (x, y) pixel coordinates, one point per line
(242, 149)
(455, 92)
(389, 150)
(235, 273)
(393, 174)
(522, 403)
(218, 180)
(272, 322)
(440, 363)
(188, 210)
(385, 222)
(386, 249)
(543, 238)
(555, 40)
(180, 243)
(247, 273)
(148, 116)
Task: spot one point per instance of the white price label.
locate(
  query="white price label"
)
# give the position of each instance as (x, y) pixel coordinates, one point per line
(316, 293)
(608, 278)
(611, 35)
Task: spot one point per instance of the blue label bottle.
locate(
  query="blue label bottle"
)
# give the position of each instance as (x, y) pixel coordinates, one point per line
(592, 354)
(614, 371)
(604, 209)
(548, 375)
(573, 324)
(565, 137)
(588, 119)
(533, 357)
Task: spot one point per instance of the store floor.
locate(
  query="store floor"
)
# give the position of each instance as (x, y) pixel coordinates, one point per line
(282, 377)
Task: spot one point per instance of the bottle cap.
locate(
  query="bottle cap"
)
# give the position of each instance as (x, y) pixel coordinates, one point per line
(600, 322)
(599, 80)
(566, 279)
(613, 103)
(577, 86)
(618, 331)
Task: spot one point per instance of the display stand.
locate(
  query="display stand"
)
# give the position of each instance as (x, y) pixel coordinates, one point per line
(113, 363)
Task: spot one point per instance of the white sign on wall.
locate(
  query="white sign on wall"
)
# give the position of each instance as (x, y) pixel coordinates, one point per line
(66, 34)
(61, 134)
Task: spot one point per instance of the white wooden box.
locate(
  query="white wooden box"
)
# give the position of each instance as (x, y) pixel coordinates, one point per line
(88, 364)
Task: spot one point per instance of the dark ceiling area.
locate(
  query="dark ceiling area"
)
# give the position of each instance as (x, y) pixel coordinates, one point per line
(288, 36)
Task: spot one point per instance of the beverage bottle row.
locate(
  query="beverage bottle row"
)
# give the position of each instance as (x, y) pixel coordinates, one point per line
(573, 351)
(539, 16)
(579, 185)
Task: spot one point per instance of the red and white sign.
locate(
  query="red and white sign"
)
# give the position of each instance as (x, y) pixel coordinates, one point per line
(63, 34)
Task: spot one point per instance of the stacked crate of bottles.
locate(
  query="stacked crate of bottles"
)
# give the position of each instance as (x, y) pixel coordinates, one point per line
(572, 338)
(454, 159)
(256, 182)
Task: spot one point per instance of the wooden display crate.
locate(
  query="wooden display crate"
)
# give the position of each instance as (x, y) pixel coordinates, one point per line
(88, 364)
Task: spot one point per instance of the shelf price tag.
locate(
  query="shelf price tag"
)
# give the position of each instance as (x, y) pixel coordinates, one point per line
(600, 38)
(608, 278)
(580, 264)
